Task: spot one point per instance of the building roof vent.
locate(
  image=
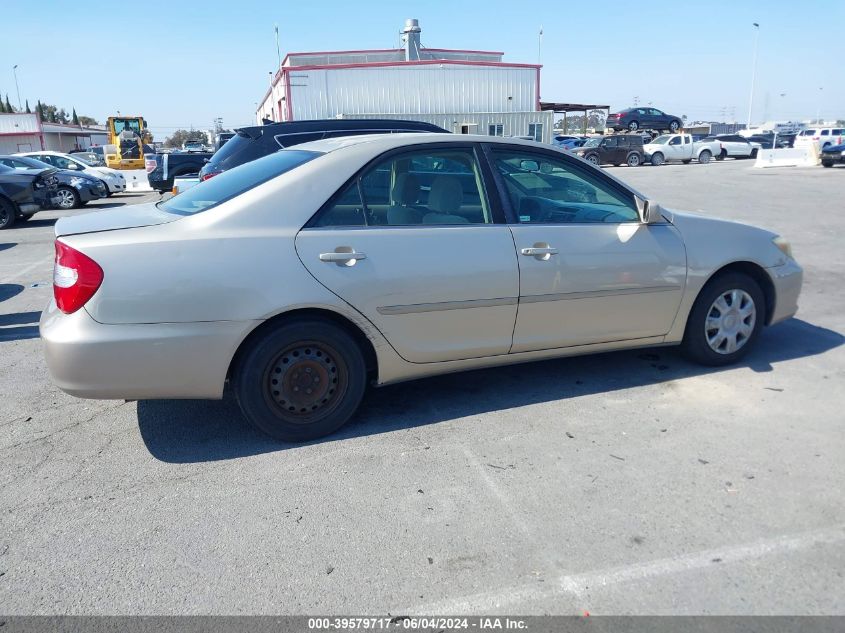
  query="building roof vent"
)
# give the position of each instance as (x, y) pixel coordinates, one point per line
(411, 39)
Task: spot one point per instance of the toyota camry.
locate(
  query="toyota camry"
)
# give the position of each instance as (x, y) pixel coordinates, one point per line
(299, 279)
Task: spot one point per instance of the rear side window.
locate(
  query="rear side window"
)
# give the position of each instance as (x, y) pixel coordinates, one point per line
(234, 182)
(238, 150)
(825, 132)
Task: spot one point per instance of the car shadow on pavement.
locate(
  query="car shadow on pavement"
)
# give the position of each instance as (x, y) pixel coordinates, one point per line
(7, 291)
(7, 245)
(189, 431)
(24, 321)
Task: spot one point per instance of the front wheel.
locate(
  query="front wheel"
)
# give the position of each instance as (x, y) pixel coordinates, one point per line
(593, 159)
(827, 163)
(633, 160)
(68, 198)
(301, 381)
(7, 214)
(657, 159)
(705, 156)
(725, 320)
(633, 126)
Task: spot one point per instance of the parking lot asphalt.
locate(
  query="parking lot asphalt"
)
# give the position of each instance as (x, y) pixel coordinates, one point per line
(624, 483)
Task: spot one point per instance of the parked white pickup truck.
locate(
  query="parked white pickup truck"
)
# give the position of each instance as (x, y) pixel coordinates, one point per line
(680, 147)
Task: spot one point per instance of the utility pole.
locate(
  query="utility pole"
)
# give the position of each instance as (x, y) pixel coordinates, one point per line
(278, 51)
(539, 44)
(819, 107)
(17, 89)
(753, 72)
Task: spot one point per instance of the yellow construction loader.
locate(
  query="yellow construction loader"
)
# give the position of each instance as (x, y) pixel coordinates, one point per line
(127, 137)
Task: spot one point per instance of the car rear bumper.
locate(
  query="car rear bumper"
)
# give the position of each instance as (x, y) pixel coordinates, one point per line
(88, 359)
(787, 280)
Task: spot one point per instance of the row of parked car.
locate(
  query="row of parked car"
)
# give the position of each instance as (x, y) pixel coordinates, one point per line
(638, 148)
(34, 181)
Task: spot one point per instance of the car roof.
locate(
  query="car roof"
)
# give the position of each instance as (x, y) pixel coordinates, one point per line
(385, 142)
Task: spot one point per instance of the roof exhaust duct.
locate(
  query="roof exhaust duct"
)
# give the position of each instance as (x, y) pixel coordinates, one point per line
(411, 39)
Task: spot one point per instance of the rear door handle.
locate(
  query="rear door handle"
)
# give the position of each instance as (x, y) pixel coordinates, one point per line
(342, 257)
(540, 252)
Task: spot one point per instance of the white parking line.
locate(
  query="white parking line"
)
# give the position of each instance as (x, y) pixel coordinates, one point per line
(24, 271)
(576, 584)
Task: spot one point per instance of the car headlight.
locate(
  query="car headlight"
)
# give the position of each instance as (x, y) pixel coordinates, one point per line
(783, 245)
(843, 153)
(76, 181)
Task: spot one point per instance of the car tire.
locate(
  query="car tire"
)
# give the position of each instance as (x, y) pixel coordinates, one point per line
(705, 156)
(633, 126)
(754, 153)
(827, 163)
(593, 159)
(725, 320)
(657, 159)
(301, 380)
(674, 126)
(633, 160)
(7, 214)
(68, 198)
(722, 155)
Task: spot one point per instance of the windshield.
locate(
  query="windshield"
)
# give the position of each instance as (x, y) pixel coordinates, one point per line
(660, 140)
(234, 182)
(593, 142)
(76, 159)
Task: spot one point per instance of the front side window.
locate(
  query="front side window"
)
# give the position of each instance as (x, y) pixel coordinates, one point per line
(675, 141)
(611, 142)
(546, 190)
(425, 187)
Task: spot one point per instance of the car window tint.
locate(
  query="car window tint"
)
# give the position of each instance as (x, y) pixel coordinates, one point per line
(611, 141)
(546, 190)
(234, 182)
(426, 187)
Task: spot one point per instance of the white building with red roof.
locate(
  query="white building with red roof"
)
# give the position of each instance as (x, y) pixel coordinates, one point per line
(463, 91)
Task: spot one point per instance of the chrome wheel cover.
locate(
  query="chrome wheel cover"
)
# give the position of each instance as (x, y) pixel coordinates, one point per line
(730, 321)
(66, 199)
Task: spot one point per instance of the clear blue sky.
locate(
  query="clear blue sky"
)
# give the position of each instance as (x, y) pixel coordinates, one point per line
(183, 62)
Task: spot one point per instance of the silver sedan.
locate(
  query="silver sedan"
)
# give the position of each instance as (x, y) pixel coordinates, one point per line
(300, 278)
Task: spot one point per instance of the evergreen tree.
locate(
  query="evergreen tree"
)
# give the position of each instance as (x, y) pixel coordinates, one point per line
(28, 111)
(9, 107)
(2, 107)
(75, 120)
(39, 109)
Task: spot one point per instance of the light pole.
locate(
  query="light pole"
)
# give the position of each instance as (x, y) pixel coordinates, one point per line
(17, 89)
(753, 72)
(819, 107)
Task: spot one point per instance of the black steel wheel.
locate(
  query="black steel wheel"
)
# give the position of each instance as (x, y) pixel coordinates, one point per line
(301, 380)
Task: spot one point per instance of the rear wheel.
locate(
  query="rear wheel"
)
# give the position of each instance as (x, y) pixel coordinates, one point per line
(722, 155)
(725, 320)
(68, 198)
(657, 159)
(705, 156)
(7, 214)
(301, 381)
(674, 126)
(633, 159)
(754, 153)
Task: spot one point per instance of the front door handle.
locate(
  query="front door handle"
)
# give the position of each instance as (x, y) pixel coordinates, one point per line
(540, 251)
(342, 256)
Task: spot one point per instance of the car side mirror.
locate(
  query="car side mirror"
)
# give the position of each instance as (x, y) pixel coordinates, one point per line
(650, 211)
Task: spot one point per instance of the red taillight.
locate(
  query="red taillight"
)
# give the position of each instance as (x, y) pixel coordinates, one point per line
(76, 277)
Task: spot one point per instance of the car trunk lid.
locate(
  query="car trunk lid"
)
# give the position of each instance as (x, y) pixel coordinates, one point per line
(128, 217)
